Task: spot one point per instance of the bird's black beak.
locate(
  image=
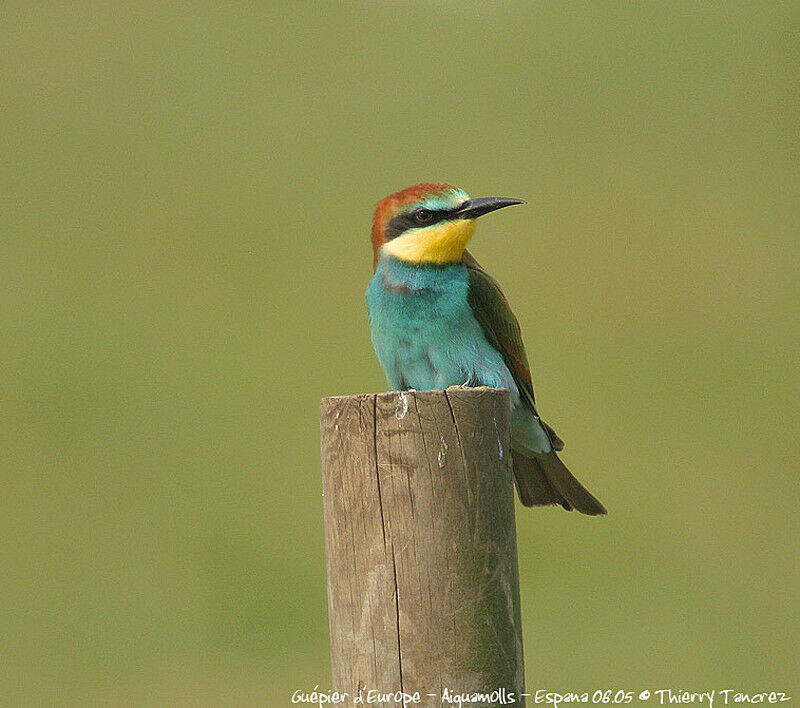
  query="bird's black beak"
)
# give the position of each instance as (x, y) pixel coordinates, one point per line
(473, 208)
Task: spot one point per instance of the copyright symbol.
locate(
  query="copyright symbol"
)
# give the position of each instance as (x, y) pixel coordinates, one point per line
(644, 695)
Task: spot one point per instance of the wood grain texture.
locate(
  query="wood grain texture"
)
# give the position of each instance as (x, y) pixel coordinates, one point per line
(423, 587)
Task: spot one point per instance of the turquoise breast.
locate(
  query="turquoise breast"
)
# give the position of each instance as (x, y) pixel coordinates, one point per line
(424, 332)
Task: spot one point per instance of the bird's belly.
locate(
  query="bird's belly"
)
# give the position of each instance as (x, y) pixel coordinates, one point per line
(432, 340)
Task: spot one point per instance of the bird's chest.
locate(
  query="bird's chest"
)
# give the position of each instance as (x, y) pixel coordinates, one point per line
(418, 308)
(423, 329)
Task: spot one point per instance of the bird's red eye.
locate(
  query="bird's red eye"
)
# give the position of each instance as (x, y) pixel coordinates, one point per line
(422, 215)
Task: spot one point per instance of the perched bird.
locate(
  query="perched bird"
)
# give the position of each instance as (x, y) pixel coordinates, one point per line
(439, 320)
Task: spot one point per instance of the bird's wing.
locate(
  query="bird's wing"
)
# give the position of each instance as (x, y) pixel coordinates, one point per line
(501, 328)
(499, 324)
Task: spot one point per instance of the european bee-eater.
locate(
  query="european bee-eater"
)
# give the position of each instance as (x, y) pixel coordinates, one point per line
(439, 320)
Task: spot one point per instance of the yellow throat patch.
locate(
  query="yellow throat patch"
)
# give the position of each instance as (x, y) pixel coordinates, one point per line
(441, 243)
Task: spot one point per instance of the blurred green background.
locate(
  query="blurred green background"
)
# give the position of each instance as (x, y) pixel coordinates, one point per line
(185, 202)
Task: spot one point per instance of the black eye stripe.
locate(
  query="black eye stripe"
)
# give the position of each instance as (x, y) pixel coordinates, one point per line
(404, 222)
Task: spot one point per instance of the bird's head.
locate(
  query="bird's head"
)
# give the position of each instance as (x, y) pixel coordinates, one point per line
(429, 223)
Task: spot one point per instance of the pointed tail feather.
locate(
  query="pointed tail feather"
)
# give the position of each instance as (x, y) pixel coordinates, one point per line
(533, 486)
(545, 479)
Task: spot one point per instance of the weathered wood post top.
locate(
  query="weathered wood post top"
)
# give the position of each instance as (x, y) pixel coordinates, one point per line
(423, 585)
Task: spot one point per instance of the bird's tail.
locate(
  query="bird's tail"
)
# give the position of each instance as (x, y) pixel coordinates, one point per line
(545, 479)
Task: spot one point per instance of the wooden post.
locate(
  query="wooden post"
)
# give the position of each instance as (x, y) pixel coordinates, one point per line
(423, 583)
